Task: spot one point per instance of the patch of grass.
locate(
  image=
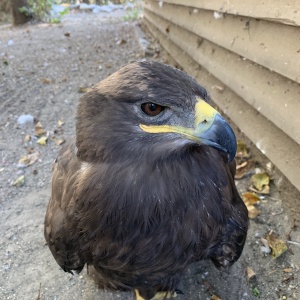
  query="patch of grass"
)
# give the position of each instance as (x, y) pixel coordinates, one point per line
(256, 292)
(135, 12)
(57, 19)
(41, 11)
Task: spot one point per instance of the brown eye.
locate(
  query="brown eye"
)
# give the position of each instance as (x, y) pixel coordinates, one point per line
(151, 109)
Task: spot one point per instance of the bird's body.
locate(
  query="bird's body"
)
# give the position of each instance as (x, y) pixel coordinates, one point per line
(137, 205)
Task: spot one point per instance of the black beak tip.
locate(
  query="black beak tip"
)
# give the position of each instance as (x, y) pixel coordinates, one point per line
(220, 135)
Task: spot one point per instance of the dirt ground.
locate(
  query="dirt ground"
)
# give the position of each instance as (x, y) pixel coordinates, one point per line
(42, 69)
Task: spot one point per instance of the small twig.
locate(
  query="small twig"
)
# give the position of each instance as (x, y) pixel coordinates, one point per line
(293, 227)
(273, 198)
(271, 272)
(294, 243)
(45, 163)
(258, 192)
(277, 213)
(39, 293)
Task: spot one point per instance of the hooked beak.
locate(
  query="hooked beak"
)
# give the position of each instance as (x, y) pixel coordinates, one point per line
(210, 129)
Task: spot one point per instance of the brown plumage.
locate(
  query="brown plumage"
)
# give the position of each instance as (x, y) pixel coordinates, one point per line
(147, 186)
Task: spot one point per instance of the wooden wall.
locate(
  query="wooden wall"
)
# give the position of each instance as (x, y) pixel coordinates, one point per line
(247, 54)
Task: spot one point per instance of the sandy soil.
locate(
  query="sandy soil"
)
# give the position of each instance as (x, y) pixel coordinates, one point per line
(42, 69)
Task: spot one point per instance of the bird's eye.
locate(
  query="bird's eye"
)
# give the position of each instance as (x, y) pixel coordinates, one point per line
(152, 109)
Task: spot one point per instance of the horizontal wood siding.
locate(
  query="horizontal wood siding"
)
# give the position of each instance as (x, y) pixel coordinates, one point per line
(260, 93)
(281, 11)
(251, 38)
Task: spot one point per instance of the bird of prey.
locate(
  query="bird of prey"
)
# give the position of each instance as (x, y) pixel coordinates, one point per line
(147, 185)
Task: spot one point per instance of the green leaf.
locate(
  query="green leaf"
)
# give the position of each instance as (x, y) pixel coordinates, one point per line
(19, 181)
(256, 292)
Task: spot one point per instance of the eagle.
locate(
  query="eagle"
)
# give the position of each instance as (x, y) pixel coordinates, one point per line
(146, 187)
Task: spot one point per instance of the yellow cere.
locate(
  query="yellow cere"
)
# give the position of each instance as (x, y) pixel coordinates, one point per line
(203, 112)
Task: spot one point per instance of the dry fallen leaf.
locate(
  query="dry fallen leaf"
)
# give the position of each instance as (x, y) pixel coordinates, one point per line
(242, 165)
(60, 123)
(242, 150)
(277, 246)
(27, 138)
(30, 150)
(250, 199)
(63, 80)
(220, 89)
(46, 80)
(288, 270)
(19, 181)
(214, 297)
(253, 212)
(60, 142)
(38, 129)
(56, 141)
(250, 274)
(42, 140)
(84, 89)
(260, 180)
(121, 42)
(286, 280)
(29, 159)
(244, 169)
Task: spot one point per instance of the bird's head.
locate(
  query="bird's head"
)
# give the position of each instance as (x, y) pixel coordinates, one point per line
(151, 109)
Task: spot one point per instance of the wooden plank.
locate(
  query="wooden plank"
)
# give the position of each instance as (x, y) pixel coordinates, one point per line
(281, 11)
(272, 95)
(272, 142)
(253, 39)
